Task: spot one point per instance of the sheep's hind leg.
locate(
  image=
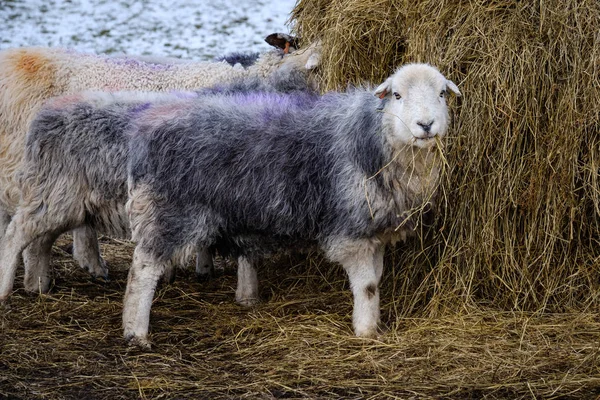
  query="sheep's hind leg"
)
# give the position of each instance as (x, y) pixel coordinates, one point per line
(36, 259)
(87, 252)
(21, 231)
(4, 221)
(246, 293)
(205, 269)
(170, 274)
(143, 277)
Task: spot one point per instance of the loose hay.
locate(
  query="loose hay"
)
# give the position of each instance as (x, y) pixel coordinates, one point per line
(471, 310)
(297, 344)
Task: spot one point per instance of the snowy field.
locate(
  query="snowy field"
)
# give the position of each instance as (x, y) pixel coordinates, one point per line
(196, 29)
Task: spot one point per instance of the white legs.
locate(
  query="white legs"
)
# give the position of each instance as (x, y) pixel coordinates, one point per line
(246, 293)
(87, 253)
(37, 253)
(169, 274)
(12, 244)
(141, 284)
(363, 262)
(36, 258)
(143, 277)
(205, 269)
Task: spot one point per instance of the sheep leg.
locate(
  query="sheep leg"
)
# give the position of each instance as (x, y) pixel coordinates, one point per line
(169, 274)
(246, 293)
(143, 277)
(36, 258)
(363, 263)
(4, 221)
(365, 290)
(378, 261)
(19, 234)
(87, 252)
(205, 270)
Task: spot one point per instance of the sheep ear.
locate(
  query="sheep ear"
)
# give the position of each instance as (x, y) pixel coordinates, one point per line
(313, 61)
(314, 58)
(282, 41)
(384, 89)
(452, 86)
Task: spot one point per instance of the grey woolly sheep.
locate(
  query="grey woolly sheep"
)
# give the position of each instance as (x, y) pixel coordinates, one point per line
(74, 169)
(30, 76)
(343, 173)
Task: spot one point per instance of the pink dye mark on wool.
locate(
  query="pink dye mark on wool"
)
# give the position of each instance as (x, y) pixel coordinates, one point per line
(157, 114)
(64, 101)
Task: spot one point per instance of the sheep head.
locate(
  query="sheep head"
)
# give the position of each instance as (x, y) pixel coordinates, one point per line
(415, 105)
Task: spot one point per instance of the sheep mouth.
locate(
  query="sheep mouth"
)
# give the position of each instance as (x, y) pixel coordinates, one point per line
(424, 141)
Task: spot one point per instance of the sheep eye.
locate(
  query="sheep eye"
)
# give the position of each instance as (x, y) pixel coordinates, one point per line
(397, 95)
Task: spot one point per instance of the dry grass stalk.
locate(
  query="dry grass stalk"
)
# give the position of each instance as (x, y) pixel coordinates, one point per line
(297, 344)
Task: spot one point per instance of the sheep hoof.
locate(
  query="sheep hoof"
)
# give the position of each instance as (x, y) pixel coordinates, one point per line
(203, 278)
(99, 271)
(141, 343)
(367, 333)
(4, 306)
(249, 302)
(91, 262)
(37, 286)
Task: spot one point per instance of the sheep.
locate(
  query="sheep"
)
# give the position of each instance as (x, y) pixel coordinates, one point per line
(74, 167)
(253, 174)
(63, 120)
(30, 76)
(285, 42)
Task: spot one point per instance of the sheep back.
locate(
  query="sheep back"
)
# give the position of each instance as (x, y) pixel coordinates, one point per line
(260, 171)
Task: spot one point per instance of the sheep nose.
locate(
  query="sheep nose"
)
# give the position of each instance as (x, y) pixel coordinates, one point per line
(426, 126)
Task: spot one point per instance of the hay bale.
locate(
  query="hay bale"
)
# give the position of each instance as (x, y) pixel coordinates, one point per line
(520, 221)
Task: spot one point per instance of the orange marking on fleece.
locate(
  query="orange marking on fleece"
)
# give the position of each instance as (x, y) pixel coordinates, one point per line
(30, 63)
(36, 72)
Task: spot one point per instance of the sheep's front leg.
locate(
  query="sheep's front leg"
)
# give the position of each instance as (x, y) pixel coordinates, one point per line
(363, 263)
(246, 293)
(36, 258)
(143, 277)
(87, 252)
(205, 269)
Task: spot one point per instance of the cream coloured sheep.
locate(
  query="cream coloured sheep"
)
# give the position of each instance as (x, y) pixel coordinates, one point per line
(30, 76)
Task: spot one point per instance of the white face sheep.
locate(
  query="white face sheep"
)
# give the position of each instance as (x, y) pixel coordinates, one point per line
(416, 120)
(282, 172)
(30, 76)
